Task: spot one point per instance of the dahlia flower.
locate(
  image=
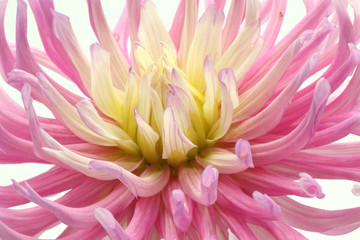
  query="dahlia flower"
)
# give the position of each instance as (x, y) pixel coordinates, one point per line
(199, 132)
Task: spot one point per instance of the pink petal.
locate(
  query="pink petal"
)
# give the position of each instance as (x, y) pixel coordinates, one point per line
(310, 186)
(149, 183)
(198, 184)
(268, 203)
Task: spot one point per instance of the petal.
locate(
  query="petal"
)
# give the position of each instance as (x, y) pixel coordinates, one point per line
(274, 24)
(144, 105)
(199, 186)
(152, 31)
(212, 93)
(8, 233)
(6, 57)
(242, 52)
(79, 162)
(271, 115)
(221, 126)
(225, 161)
(186, 33)
(109, 223)
(236, 222)
(206, 40)
(179, 204)
(232, 197)
(80, 218)
(268, 203)
(166, 228)
(149, 183)
(310, 186)
(205, 221)
(179, 102)
(68, 114)
(182, 214)
(105, 95)
(243, 152)
(265, 153)
(130, 100)
(335, 132)
(333, 222)
(147, 139)
(120, 66)
(146, 212)
(93, 121)
(175, 144)
(233, 21)
(65, 34)
(253, 99)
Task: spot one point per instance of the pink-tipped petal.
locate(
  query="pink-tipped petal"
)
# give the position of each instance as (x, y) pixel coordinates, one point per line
(200, 185)
(243, 152)
(150, 182)
(310, 186)
(109, 223)
(209, 179)
(268, 203)
(182, 216)
(225, 161)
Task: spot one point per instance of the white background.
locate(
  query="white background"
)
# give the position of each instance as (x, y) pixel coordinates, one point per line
(338, 193)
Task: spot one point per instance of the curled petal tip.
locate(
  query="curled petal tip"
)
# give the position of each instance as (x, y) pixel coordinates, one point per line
(182, 218)
(310, 186)
(243, 152)
(271, 206)
(209, 181)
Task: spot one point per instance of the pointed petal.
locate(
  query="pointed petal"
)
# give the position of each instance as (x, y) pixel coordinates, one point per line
(269, 117)
(212, 93)
(68, 114)
(149, 183)
(93, 121)
(268, 203)
(102, 90)
(253, 99)
(187, 31)
(80, 218)
(266, 153)
(147, 139)
(120, 66)
(152, 31)
(109, 223)
(205, 221)
(65, 34)
(200, 186)
(206, 40)
(310, 186)
(222, 125)
(182, 215)
(175, 144)
(243, 152)
(225, 161)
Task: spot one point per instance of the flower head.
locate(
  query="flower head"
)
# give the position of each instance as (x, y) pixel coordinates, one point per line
(199, 132)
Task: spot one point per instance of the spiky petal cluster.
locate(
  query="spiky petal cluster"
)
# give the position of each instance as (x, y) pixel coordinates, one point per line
(194, 133)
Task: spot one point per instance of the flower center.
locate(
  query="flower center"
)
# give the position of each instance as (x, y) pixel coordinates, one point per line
(173, 118)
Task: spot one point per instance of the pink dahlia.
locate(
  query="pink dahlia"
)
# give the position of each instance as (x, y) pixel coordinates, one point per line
(199, 132)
